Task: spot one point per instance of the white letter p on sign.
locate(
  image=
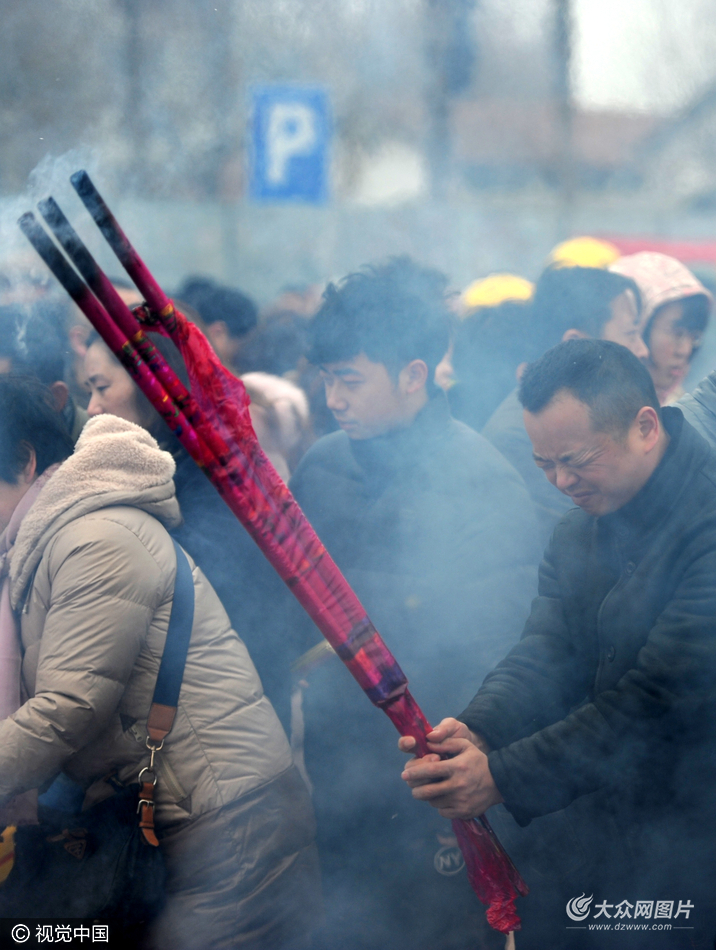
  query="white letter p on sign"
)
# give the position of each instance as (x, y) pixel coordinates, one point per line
(291, 132)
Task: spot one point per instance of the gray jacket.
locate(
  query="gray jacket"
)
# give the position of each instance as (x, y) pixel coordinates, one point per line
(699, 408)
(506, 430)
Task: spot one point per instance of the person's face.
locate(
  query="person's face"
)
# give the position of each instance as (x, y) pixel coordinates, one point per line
(10, 495)
(623, 326)
(111, 387)
(445, 372)
(598, 471)
(225, 345)
(12, 492)
(366, 402)
(670, 347)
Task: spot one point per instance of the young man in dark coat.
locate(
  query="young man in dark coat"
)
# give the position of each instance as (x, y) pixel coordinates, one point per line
(605, 711)
(436, 533)
(569, 303)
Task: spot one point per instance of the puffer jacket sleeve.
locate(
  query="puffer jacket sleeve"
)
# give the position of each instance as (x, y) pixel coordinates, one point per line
(104, 589)
(699, 408)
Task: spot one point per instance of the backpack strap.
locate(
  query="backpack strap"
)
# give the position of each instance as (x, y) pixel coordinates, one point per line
(166, 690)
(176, 647)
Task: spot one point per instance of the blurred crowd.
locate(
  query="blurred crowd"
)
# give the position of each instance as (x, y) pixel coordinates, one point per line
(388, 401)
(658, 309)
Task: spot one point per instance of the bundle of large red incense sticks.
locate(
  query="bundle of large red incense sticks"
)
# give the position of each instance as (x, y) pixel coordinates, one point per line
(212, 422)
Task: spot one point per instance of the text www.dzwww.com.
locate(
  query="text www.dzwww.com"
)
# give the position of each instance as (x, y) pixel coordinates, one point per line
(630, 926)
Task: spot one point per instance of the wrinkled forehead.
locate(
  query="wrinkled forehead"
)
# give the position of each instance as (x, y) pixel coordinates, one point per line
(564, 428)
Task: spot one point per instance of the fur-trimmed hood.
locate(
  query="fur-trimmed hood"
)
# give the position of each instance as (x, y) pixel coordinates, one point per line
(115, 462)
(661, 279)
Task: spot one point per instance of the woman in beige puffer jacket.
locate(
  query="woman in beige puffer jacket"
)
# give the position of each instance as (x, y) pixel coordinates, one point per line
(92, 576)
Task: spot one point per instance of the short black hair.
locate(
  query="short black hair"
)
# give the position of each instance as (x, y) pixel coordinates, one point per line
(42, 348)
(276, 345)
(394, 312)
(576, 298)
(489, 345)
(163, 344)
(214, 302)
(29, 420)
(606, 376)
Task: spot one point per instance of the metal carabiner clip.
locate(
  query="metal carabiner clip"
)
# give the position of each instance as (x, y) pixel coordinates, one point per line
(153, 749)
(147, 768)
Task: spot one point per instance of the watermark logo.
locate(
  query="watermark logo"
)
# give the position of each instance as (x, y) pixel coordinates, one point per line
(449, 860)
(578, 907)
(662, 915)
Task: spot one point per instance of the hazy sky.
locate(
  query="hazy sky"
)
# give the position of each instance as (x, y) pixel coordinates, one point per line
(643, 54)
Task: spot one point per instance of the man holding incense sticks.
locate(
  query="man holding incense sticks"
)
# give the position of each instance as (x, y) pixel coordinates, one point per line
(436, 533)
(601, 721)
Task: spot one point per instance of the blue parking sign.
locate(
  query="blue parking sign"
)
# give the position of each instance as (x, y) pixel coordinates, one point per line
(290, 133)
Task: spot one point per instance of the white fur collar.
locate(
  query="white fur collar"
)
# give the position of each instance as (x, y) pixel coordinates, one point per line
(115, 462)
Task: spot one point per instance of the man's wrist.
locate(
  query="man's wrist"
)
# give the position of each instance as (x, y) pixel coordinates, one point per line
(480, 742)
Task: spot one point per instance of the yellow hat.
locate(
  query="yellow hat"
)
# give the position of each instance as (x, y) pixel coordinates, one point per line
(583, 252)
(496, 289)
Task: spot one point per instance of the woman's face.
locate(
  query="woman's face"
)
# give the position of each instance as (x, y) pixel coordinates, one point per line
(111, 387)
(670, 348)
(12, 492)
(10, 495)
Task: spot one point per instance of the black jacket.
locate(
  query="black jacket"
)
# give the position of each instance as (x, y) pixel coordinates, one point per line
(436, 533)
(613, 684)
(246, 583)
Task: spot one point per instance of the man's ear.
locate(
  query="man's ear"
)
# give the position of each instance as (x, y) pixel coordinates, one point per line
(60, 394)
(414, 376)
(649, 426)
(574, 334)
